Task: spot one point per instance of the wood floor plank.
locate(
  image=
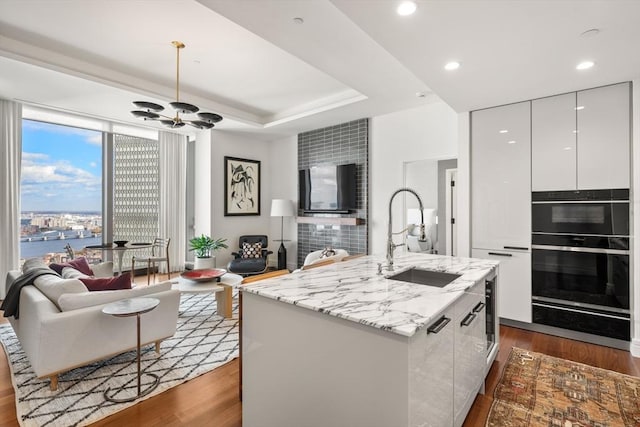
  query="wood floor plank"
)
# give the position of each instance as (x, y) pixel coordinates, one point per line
(212, 398)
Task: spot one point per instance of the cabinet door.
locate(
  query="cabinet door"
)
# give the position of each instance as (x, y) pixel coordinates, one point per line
(513, 285)
(501, 176)
(469, 356)
(603, 137)
(431, 374)
(553, 143)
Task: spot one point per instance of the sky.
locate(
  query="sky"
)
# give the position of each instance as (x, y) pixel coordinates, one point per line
(61, 168)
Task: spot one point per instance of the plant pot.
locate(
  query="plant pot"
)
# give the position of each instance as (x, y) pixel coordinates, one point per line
(208, 262)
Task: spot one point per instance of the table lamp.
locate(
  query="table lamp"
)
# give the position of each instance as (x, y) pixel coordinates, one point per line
(282, 208)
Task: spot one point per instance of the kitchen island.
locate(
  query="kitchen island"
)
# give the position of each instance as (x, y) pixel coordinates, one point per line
(343, 345)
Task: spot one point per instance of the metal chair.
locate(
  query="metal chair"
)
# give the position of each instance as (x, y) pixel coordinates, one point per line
(159, 253)
(247, 266)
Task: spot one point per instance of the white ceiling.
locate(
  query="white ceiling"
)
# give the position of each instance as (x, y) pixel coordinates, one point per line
(267, 75)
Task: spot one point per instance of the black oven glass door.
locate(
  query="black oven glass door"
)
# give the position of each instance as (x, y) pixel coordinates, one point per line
(597, 218)
(593, 278)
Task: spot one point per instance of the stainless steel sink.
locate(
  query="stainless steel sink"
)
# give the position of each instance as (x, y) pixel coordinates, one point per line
(425, 277)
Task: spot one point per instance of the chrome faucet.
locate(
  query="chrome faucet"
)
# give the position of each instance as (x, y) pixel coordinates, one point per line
(390, 245)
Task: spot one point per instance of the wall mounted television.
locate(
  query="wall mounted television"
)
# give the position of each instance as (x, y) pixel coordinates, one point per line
(328, 188)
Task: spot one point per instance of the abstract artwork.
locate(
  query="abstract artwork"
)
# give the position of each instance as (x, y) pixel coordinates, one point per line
(242, 186)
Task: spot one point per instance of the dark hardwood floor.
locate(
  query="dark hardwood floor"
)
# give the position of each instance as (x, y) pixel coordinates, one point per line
(212, 399)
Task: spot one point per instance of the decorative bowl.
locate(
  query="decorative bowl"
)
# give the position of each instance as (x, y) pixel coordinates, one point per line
(120, 243)
(204, 274)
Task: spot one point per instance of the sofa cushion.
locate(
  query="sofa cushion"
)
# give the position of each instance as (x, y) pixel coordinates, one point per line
(107, 283)
(53, 287)
(74, 301)
(33, 263)
(104, 269)
(79, 264)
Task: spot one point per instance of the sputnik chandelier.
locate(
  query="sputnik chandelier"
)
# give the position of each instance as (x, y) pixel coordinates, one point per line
(151, 110)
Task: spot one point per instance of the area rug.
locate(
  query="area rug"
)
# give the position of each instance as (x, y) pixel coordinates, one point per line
(540, 390)
(203, 341)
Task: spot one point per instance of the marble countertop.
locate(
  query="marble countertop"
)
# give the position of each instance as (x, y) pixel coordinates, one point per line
(353, 290)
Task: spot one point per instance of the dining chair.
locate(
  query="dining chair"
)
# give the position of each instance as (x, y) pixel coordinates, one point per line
(248, 281)
(159, 253)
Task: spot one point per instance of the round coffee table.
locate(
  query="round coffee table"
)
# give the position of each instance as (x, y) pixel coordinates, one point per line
(222, 289)
(128, 308)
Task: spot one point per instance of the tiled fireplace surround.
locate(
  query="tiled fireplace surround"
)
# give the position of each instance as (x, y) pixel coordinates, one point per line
(337, 145)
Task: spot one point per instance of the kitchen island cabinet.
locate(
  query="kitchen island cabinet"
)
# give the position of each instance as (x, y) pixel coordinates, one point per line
(343, 345)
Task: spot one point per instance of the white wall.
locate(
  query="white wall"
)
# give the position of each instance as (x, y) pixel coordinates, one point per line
(283, 157)
(209, 216)
(426, 132)
(203, 184)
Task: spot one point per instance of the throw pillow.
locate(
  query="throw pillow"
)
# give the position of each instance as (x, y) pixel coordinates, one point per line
(107, 283)
(79, 264)
(251, 250)
(53, 287)
(33, 263)
(327, 252)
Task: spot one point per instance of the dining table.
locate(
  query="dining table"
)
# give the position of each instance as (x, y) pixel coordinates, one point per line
(119, 250)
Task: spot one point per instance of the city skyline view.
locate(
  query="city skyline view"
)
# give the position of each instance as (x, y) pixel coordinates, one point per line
(61, 168)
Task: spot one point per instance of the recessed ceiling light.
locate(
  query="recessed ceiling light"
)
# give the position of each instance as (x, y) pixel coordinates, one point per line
(453, 65)
(575, 131)
(580, 107)
(503, 131)
(585, 65)
(406, 8)
(421, 94)
(511, 142)
(567, 148)
(298, 20)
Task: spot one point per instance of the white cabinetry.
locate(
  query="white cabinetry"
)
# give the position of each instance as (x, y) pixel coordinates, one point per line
(470, 350)
(553, 143)
(603, 137)
(580, 141)
(430, 380)
(514, 282)
(501, 177)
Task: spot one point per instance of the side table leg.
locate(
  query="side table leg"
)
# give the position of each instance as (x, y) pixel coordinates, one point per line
(138, 330)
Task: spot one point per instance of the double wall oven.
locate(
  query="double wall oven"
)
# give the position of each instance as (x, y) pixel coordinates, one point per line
(580, 261)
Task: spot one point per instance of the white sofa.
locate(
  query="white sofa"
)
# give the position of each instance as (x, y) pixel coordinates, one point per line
(72, 331)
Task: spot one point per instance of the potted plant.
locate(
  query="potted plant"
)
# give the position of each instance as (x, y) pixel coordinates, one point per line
(203, 247)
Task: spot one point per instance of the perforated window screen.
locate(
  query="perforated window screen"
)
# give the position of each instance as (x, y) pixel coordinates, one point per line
(136, 197)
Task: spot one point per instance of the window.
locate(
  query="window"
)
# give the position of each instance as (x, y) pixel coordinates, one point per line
(61, 189)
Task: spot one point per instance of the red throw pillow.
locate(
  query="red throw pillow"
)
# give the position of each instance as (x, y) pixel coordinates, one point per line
(107, 283)
(79, 264)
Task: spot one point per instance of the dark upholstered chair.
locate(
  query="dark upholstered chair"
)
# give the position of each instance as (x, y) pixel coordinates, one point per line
(247, 262)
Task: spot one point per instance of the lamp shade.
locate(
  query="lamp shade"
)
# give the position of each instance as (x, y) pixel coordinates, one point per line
(281, 207)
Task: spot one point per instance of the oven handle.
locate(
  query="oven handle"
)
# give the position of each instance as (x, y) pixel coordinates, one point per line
(579, 311)
(575, 249)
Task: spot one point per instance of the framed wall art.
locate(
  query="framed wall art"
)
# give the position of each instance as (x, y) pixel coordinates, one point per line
(241, 186)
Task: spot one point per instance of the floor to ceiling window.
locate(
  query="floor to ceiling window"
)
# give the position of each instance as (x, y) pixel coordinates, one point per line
(61, 190)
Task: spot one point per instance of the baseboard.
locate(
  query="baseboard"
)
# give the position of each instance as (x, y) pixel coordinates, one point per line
(635, 347)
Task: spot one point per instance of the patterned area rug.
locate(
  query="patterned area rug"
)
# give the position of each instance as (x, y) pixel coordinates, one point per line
(203, 341)
(540, 390)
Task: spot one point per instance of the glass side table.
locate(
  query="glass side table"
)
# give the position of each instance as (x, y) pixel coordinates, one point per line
(128, 308)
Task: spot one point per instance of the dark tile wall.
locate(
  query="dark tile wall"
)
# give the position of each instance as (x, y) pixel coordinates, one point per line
(340, 144)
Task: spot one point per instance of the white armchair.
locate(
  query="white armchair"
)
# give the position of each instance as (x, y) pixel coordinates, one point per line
(316, 256)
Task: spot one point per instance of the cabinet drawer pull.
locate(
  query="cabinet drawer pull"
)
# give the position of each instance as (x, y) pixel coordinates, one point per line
(516, 248)
(478, 308)
(469, 318)
(439, 325)
(499, 254)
